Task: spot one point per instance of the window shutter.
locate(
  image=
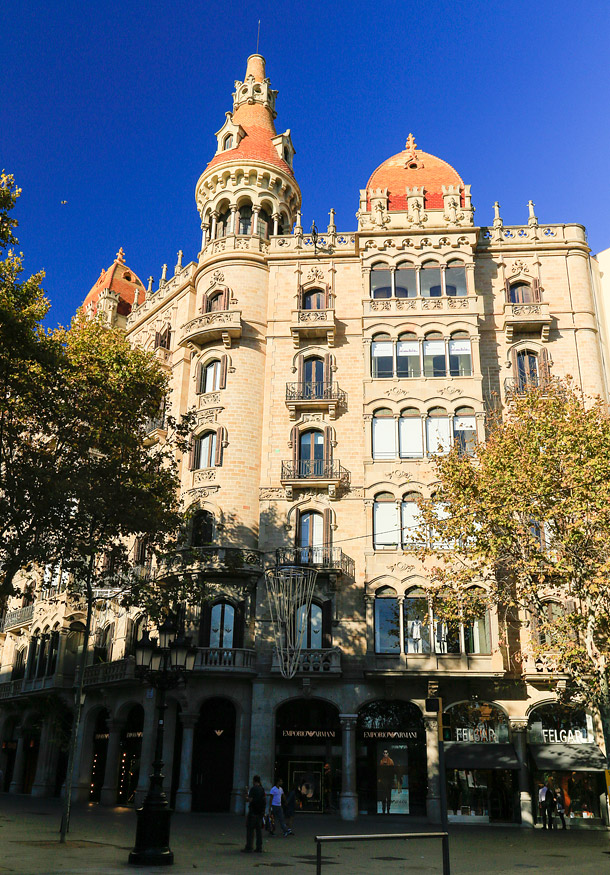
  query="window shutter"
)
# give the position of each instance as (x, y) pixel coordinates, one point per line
(328, 447)
(326, 297)
(220, 439)
(204, 625)
(157, 339)
(513, 358)
(294, 438)
(543, 364)
(238, 625)
(327, 624)
(328, 368)
(300, 301)
(328, 532)
(222, 383)
(300, 367)
(191, 458)
(507, 291)
(224, 301)
(536, 290)
(297, 531)
(205, 304)
(200, 379)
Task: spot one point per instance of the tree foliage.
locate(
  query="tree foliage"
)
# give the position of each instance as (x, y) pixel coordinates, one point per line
(528, 515)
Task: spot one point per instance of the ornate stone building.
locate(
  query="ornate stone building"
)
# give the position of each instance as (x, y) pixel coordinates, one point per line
(325, 370)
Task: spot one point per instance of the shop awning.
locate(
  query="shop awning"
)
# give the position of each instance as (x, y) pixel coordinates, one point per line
(568, 757)
(459, 755)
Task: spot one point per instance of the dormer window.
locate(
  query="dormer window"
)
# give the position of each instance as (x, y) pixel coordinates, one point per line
(227, 143)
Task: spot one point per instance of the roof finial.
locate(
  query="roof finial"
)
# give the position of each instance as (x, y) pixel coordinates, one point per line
(120, 256)
(410, 146)
(150, 285)
(258, 35)
(532, 220)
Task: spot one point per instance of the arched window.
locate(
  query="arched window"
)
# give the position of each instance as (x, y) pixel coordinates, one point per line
(386, 527)
(309, 622)
(19, 665)
(465, 430)
(245, 219)
(430, 280)
(382, 356)
(434, 355)
(202, 532)
(477, 637)
(102, 651)
(410, 518)
(313, 299)
(446, 636)
(531, 369)
(313, 377)
(521, 293)
(417, 621)
(387, 621)
(311, 454)
(227, 143)
(216, 302)
(455, 279)
(460, 355)
(381, 281)
(405, 279)
(222, 625)
(546, 623)
(310, 538)
(410, 434)
(136, 631)
(205, 450)
(407, 355)
(438, 431)
(223, 223)
(385, 437)
(163, 339)
(210, 380)
(263, 224)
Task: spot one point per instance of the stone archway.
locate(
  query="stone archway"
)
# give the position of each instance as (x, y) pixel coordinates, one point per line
(213, 756)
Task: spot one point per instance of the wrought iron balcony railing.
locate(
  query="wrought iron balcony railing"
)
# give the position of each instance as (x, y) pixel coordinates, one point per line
(20, 617)
(318, 391)
(328, 470)
(521, 385)
(324, 558)
(224, 659)
(326, 661)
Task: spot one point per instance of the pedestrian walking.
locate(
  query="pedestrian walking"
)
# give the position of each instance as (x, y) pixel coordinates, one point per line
(276, 793)
(546, 801)
(560, 805)
(257, 802)
(290, 804)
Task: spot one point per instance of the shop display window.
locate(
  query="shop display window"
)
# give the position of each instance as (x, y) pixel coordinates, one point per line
(478, 722)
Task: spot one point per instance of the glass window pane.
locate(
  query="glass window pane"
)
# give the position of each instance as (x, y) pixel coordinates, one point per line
(446, 637)
(406, 283)
(411, 521)
(216, 626)
(438, 434)
(455, 280)
(407, 359)
(460, 358)
(384, 438)
(416, 625)
(465, 433)
(411, 437)
(476, 635)
(434, 358)
(382, 364)
(385, 524)
(228, 626)
(430, 282)
(381, 284)
(212, 377)
(387, 626)
(315, 627)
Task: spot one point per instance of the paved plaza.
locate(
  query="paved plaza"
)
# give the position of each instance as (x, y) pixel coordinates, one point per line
(101, 838)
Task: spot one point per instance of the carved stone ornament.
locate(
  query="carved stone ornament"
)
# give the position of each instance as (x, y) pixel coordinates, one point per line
(211, 415)
(271, 492)
(200, 492)
(209, 399)
(204, 475)
(217, 277)
(398, 474)
(395, 392)
(518, 266)
(400, 566)
(518, 724)
(450, 391)
(315, 273)
(312, 417)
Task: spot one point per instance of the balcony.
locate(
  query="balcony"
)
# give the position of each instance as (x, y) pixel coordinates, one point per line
(527, 317)
(213, 561)
(314, 396)
(518, 386)
(225, 660)
(314, 662)
(119, 671)
(325, 473)
(163, 356)
(155, 430)
(331, 559)
(446, 305)
(309, 324)
(20, 617)
(224, 325)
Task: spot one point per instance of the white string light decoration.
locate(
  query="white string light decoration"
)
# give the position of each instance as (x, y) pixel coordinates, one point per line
(289, 589)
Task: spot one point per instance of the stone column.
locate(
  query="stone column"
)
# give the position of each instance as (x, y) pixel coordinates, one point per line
(241, 761)
(184, 793)
(149, 732)
(42, 777)
(262, 745)
(81, 774)
(433, 799)
(255, 211)
(276, 223)
(348, 803)
(113, 755)
(234, 215)
(17, 781)
(213, 228)
(519, 731)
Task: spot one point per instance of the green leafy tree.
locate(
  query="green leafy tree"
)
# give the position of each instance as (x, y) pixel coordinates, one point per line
(528, 515)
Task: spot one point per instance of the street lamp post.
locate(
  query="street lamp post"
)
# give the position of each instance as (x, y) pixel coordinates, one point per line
(164, 665)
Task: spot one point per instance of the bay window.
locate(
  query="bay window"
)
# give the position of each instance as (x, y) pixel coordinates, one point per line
(386, 527)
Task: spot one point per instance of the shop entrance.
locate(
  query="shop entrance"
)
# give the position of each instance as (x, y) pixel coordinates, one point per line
(100, 749)
(213, 756)
(131, 751)
(308, 752)
(391, 764)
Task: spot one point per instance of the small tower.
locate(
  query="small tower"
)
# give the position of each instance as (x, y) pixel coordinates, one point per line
(116, 291)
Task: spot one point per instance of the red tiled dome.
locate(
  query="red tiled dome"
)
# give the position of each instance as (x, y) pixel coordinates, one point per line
(411, 168)
(119, 279)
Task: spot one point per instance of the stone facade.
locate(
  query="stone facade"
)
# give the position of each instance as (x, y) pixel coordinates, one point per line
(325, 370)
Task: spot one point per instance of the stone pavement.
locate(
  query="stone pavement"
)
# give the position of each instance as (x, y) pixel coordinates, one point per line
(101, 838)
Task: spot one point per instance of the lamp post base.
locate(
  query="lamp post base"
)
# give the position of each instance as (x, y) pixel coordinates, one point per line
(152, 837)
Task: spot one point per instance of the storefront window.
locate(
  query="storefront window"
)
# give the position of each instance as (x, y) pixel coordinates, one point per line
(477, 722)
(557, 724)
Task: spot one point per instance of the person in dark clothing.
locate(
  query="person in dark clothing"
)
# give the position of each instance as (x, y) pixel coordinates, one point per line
(290, 805)
(257, 802)
(560, 804)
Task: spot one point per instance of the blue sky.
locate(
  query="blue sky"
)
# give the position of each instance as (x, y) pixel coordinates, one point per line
(112, 107)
